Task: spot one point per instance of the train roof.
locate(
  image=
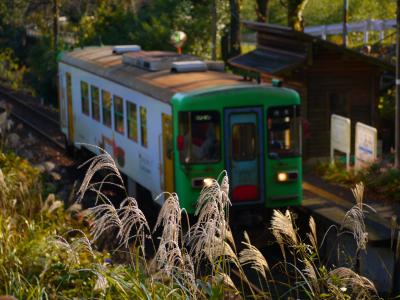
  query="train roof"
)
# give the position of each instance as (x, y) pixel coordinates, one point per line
(161, 85)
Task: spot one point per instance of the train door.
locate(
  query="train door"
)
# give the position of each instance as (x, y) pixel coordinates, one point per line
(62, 101)
(70, 108)
(167, 153)
(244, 153)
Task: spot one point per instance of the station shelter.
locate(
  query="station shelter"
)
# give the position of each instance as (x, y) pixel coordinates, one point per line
(330, 79)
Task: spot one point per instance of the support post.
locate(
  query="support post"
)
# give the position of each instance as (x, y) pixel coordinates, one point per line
(324, 32)
(345, 18)
(397, 121)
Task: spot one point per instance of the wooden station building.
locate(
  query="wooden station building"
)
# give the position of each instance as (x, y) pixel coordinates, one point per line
(329, 78)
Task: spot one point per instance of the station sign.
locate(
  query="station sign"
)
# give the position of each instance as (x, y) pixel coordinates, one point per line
(366, 145)
(341, 137)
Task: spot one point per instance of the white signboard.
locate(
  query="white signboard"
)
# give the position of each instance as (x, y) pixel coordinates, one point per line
(340, 136)
(366, 145)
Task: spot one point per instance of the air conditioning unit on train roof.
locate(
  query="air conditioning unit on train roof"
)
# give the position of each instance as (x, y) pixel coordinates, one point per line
(154, 60)
(121, 49)
(188, 66)
(214, 65)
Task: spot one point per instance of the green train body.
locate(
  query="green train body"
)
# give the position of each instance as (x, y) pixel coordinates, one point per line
(253, 100)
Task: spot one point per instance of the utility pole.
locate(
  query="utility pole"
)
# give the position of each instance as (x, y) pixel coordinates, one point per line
(214, 20)
(56, 13)
(397, 137)
(345, 19)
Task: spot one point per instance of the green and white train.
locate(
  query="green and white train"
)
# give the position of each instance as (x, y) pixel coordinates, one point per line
(171, 122)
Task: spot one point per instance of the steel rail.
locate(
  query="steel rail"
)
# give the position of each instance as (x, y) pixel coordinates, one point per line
(26, 105)
(38, 130)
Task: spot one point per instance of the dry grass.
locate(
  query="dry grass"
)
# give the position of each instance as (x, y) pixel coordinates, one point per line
(354, 218)
(208, 235)
(283, 229)
(253, 257)
(102, 162)
(132, 219)
(197, 263)
(361, 287)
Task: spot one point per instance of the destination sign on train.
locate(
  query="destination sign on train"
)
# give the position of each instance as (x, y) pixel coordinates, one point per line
(205, 117)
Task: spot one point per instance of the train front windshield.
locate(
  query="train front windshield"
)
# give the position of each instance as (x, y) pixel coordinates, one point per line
(199, 137)
(284, 131)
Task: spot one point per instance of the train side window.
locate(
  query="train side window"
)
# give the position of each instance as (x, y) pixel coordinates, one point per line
(143, 126)
(94, 91)
(85, 97)
(119, 114)
(131, 119)
(106, 102)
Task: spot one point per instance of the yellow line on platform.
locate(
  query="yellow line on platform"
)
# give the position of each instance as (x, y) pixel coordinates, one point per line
(327, 195)
(342, 202)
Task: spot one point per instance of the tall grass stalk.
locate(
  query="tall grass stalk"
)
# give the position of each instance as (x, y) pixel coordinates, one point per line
(196, 263)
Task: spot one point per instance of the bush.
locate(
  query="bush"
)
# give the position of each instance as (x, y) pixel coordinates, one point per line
(381, 178)
(11, 71)
(337, 173)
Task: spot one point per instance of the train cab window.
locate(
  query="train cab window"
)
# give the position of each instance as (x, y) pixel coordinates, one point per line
(199, 137)
(94, 91)
(85, 97)
(106, 103)
(143, 126)
(131, 119)
(284, 128)
(244, 141)
(119, 114)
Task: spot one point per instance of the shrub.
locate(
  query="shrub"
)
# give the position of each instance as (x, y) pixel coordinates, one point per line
(12, 72)
(380, 178)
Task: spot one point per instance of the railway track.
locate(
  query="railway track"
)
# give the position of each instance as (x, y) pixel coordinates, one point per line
(36, 119)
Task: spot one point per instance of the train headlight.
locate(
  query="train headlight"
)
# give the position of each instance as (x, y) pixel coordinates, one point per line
(288, 176)
(282, 177)
(208, 181)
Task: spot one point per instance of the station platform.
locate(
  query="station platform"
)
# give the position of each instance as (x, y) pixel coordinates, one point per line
(331, 202)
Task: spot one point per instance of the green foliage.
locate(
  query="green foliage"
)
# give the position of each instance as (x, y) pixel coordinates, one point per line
(42, 75)
(319, 12)
(337, 173)
(387, 105)
(11, 71)
(151, 27)
(110, 25)
(381, 178)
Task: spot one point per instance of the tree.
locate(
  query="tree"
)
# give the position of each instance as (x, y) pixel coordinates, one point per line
(295, 10)
(262, 10)
(214, 25)
(234, 29)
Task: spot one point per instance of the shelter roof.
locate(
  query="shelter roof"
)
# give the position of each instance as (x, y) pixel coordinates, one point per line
(269, 61)
(161, 85)
(293, 49)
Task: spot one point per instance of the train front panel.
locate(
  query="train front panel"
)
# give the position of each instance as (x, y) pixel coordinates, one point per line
(252, 132)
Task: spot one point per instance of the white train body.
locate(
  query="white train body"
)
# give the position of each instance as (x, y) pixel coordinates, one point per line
(143, 162)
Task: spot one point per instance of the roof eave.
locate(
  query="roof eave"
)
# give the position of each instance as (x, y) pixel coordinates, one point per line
(287, 31)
